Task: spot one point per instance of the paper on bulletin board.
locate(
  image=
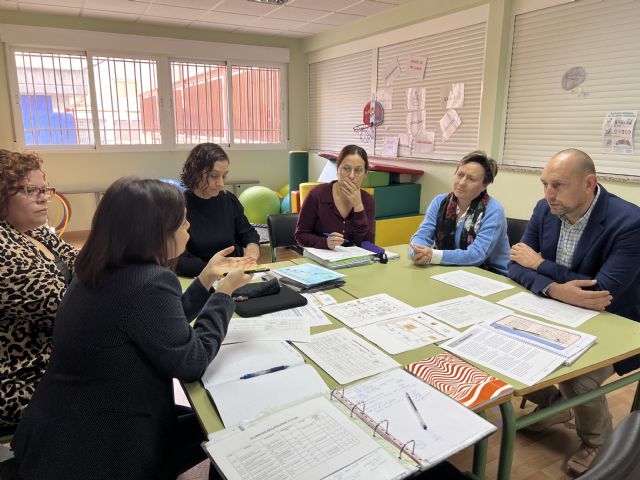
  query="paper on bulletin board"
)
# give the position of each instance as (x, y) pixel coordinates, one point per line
(424, 142)
(416, 98)
(416, 67)
(404, 145)
(390, 147)
(384, 96)
(449, 123)
(414, 122)
(617, 132)
(392, 71)
(456, 96)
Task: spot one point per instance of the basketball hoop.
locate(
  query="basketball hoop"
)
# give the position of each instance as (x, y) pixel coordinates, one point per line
(364, 131)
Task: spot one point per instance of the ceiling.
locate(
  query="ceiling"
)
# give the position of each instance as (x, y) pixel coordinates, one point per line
(296, 19)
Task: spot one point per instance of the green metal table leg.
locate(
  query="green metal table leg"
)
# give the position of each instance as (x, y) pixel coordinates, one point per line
(480, 450)
(507, 442)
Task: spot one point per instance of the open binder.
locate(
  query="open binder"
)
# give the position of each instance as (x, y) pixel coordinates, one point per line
(321, 438)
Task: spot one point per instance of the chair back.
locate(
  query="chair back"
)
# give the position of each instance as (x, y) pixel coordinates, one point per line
(282, 230)
(619, 457)
(515, 230)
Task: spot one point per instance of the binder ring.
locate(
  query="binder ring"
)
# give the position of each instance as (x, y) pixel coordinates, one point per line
(336, 390)
(386, 429)
(413, 450)
(356, 406)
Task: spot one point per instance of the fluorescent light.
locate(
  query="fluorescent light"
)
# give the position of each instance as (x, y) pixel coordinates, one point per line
(272, 2)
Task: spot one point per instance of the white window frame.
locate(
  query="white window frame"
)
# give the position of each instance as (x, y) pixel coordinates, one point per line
(160, 49)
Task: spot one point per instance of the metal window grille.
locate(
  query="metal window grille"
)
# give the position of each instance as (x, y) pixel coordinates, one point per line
(127, 101)
(54, 98)
(200, 102)
(256, 104)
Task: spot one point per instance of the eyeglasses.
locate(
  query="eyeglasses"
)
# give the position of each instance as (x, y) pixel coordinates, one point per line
(35, 192)
(347, 169)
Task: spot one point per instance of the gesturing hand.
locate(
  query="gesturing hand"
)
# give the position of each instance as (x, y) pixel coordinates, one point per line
(234, 280)
(334, 239)
(421, 254)
(220, 264)
(526, 256)
(574, 293)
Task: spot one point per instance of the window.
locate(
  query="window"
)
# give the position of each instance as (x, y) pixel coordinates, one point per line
(199, 102)
(54, 98)
(256, 104)
(127, 101)
(94, 100)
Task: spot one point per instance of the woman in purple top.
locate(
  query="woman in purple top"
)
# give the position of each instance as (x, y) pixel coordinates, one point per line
(339, 212)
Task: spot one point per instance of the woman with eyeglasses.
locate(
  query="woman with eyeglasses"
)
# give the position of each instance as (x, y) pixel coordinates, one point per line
(339, 213)
(35, 268)
(216, 216)
(465, 226)
(104, 408)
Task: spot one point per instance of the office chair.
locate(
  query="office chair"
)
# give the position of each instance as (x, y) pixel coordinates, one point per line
(516, 229)
(281, 232)
(619, 457)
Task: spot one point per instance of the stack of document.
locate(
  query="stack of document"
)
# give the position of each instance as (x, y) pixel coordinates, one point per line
(308, 276)
(340, 257)
(246, 379)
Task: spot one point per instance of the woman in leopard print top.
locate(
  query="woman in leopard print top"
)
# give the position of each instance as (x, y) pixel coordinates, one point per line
(35, 269)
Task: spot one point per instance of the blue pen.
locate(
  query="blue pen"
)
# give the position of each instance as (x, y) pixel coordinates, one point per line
(327, 234)
(263, 372)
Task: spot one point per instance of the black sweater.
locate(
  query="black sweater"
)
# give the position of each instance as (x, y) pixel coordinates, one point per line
(216, 223)
(104, 408)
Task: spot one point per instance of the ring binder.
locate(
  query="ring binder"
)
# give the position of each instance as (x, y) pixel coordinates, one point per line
(356, 406)
(335, 390)
(386, 430)
(413, 450)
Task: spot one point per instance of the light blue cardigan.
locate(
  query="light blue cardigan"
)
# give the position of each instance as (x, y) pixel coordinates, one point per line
(490, 248)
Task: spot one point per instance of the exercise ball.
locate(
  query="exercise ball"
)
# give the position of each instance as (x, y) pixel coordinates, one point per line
(285, 206)
(259, 202)
(176, 183)
(284, 190)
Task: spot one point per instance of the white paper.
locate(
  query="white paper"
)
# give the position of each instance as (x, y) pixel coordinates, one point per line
(378, 465)
(462, 312)
(311, 310)
(245, 399)
(617, 132)
(456, 96)
(416, 97)
(390, 148)
(471, 282)
(404, 145)
(548, 308)
(392, 71)
(416, 67)
(449, 123)
(339, 253)
(450, 426)
(238, 359)
(424, 142)
(522, 362)
(366, 310)
(414, 123)
(279, 327)
(308, 441)
(406, 333)
(345, 356)
(385, 97)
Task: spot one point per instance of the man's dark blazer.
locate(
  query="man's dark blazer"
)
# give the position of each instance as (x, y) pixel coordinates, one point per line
(609, 251)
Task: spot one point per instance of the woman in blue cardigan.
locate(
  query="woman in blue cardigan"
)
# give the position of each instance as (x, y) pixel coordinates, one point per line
(465, 226)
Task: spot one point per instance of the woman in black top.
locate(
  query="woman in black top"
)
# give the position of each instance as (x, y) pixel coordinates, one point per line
(104, 409)
(216, 216)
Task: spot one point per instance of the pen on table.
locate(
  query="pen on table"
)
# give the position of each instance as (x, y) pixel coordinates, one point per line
(251, 270)
(328, 234)
(263, 372)
(415, 409)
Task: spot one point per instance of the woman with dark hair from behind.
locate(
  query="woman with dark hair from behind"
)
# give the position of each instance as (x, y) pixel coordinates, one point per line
(216, 216)
(339, 212)
(105, 408)
(465, 226)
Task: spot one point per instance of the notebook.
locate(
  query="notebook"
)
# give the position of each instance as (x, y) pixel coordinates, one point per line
(308, 275)
(460, 380)
(339, 257)
(246, 379)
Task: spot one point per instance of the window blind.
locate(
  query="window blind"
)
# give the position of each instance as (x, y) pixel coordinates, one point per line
(542, 118)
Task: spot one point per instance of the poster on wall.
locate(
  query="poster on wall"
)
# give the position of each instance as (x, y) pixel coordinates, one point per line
(385, 97)
(404, 145)
(392, 71)
(416, 97)
(416, 67)
(455, 99)
(424, 142)
(414, 122)
(390, 147)
(617, 132)
(449, 123)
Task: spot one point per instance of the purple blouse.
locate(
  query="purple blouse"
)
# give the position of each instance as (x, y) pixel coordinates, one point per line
(320, 215)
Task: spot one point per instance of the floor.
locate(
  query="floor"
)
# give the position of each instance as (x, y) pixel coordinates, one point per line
(537, 456)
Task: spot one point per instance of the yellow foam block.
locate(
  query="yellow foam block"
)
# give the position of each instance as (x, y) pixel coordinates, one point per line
(396, 231)
(305, 188)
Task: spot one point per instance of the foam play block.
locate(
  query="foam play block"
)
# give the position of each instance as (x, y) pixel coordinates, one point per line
(376, 179)
(396, 230)
(398, 199)
(295, 201)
